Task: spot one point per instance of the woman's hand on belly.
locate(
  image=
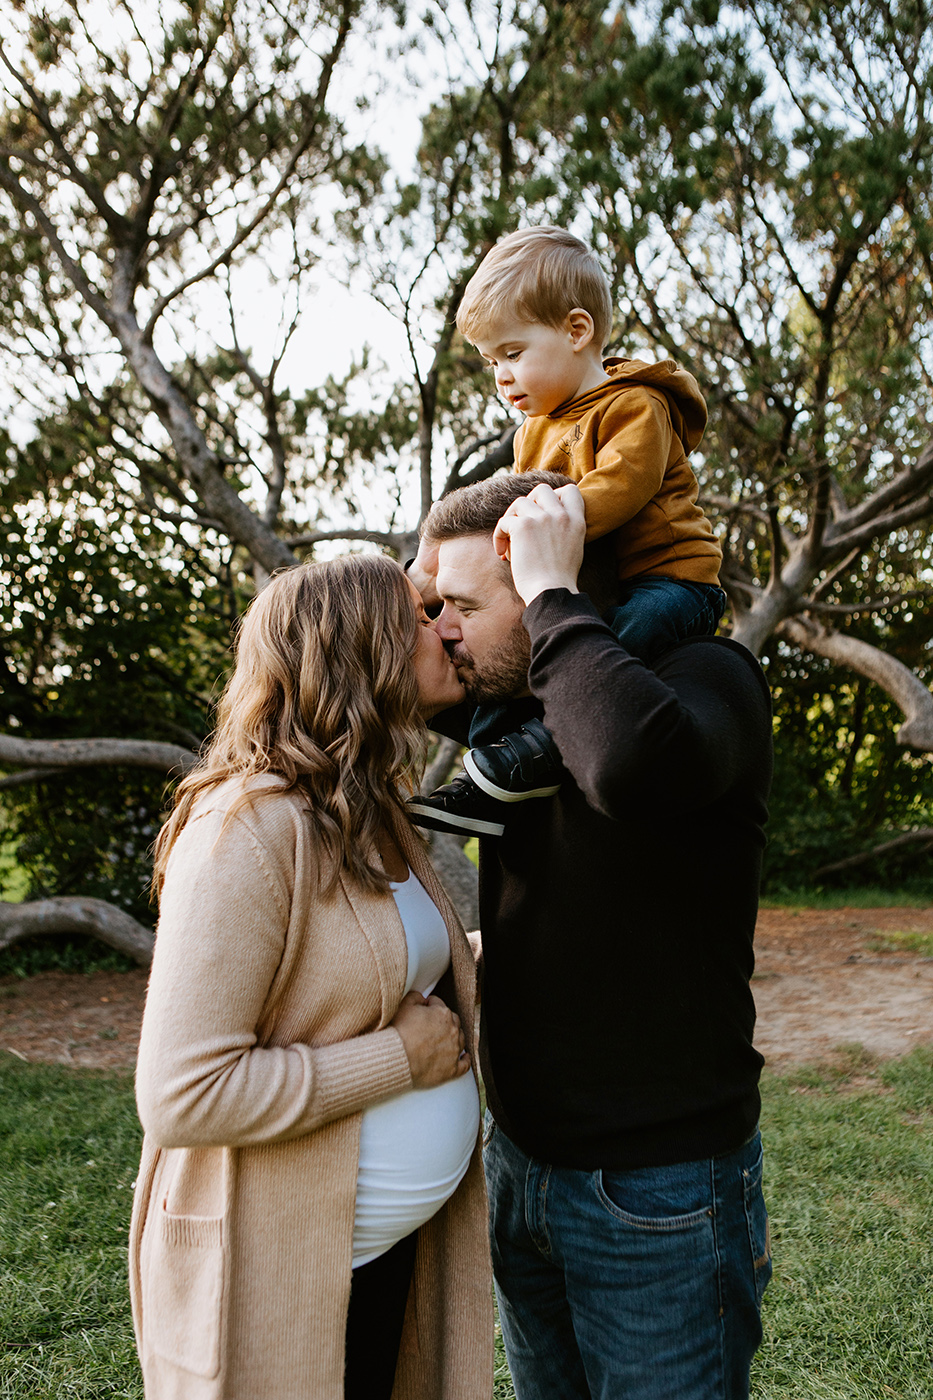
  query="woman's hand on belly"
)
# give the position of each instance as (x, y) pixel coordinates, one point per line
(433, 1040)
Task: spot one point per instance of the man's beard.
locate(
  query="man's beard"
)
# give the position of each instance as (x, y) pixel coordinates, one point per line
(503, 672)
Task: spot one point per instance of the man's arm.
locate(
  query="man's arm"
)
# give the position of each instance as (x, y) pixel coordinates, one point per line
(675, 738)
(678, 736)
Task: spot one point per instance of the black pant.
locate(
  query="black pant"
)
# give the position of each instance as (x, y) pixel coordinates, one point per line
(374, 1321)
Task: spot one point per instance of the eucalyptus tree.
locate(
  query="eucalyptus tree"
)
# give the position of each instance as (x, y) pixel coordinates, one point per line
(756, 177)
(153, 157)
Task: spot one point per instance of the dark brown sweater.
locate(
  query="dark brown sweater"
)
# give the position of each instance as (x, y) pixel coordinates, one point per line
(618, 916)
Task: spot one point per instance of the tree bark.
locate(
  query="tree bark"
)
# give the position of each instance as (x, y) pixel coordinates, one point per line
(438, 770)
(458, 875)
(65, 914)
(913, 697)
(93, 753)
(899, 843)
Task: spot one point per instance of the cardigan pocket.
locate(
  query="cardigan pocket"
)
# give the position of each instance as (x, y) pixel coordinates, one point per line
(183, 1303)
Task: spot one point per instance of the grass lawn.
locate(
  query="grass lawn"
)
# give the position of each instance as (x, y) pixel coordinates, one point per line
(849, 1315)
(69, 1148)
(859, 897)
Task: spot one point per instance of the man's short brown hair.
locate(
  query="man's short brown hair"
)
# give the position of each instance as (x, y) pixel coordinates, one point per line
(538, 275)
(477, 510)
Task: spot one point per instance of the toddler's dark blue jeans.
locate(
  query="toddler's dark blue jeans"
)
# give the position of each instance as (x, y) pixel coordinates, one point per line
(655, 611)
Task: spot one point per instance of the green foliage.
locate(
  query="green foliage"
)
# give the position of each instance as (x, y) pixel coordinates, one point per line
(61, 953)
(901, 940)
(841, 782)
(848, 1158)
(846, 897)
(107, 631)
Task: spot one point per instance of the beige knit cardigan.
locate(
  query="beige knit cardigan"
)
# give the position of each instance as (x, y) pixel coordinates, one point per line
(264, 1038)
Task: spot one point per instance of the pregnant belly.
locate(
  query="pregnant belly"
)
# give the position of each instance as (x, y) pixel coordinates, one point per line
(414, 1151)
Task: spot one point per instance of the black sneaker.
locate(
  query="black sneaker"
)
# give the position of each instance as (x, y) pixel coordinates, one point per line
(458, 806)
(522, 765)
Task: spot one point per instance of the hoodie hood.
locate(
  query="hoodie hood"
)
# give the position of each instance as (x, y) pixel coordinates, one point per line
(687, 405)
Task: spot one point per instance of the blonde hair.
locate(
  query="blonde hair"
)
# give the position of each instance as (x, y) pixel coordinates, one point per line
(324, 696)
(538, 275)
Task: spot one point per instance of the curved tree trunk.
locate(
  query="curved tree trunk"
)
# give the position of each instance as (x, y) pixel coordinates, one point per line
(93, 753)
(63, 914)
(892, 675)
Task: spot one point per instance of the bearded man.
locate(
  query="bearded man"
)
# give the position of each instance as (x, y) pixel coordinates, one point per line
(623, 1160)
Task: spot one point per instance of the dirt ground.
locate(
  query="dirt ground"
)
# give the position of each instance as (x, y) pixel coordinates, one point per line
(821, 983)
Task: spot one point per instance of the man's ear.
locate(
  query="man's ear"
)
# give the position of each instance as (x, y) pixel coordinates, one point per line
(581, 327)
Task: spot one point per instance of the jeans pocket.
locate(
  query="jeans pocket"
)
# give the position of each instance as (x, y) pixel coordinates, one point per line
(759, 1230)
(661, 1200)
(183, 1287)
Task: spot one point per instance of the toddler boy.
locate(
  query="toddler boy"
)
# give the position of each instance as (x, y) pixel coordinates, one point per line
(539, 310)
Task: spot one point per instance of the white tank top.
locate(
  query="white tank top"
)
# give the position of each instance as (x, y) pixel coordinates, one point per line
(416, 1147)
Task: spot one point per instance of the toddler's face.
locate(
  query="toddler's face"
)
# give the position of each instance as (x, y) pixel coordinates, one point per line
(537, 367)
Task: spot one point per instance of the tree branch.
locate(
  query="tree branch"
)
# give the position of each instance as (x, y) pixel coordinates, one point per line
(890, 600)
(300, 148)
(399, 541)
(913, 697)
(28, 775)
(94, 753)
(70, 914)
(908, 838)
(501, 456)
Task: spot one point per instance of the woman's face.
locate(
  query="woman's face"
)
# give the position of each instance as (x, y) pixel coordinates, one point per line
(438, 684)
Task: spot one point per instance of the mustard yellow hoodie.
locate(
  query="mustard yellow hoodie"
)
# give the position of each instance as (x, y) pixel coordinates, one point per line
(625, 444)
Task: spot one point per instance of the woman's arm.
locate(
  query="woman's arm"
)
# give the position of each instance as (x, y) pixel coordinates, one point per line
(202, 1079)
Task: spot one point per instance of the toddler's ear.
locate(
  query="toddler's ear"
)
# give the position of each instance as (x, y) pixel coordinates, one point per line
(581, 326)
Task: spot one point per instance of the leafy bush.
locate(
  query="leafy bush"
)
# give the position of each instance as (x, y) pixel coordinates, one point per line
(842, 785)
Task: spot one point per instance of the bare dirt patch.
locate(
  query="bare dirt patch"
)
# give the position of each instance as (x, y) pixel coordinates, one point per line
(821, 983)
(72, 1018)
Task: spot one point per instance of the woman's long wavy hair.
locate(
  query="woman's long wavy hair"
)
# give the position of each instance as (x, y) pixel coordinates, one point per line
(323, 695)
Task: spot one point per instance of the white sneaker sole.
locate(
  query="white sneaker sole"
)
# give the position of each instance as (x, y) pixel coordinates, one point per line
(435, 822)
(503, 794)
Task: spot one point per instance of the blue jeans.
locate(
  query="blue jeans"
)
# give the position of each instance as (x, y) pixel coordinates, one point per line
(628, 1285)
(654, 612)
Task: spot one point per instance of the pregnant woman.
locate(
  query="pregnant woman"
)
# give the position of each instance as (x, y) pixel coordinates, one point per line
(309, 1221)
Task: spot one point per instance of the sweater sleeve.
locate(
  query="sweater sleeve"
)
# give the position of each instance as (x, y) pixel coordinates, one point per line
(202, 1078)
(675, 738)
(630, 461)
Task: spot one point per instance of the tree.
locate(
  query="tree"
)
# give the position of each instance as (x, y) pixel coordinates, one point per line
(144, 172)
(141, 173)
(756, 178)
(144, 175)
(759, 178)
